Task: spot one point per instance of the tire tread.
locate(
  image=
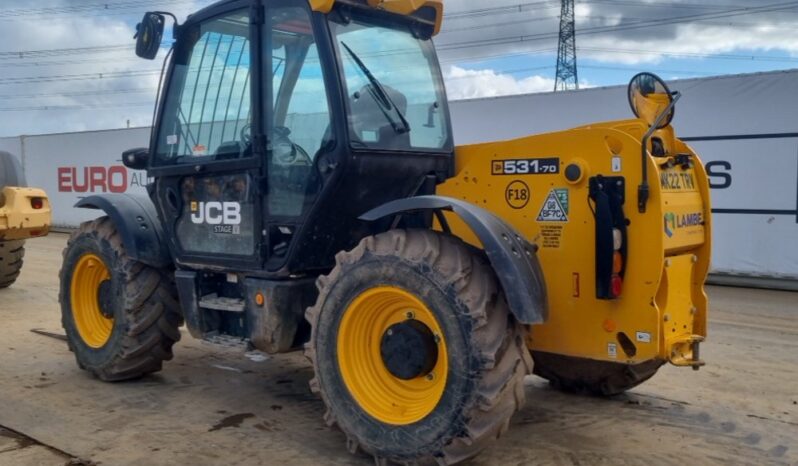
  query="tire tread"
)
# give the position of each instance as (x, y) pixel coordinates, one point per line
(150, 307)
(499, 391)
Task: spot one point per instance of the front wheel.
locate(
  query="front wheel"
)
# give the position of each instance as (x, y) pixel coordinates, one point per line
(415, 352)
(121, 317)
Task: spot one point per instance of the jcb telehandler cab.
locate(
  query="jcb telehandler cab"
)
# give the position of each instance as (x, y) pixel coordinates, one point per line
(307, 191)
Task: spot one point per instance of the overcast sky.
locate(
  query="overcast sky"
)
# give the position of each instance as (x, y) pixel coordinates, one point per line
(486, 49)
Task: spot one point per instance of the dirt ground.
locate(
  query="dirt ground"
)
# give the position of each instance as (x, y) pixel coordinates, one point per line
(215, 405)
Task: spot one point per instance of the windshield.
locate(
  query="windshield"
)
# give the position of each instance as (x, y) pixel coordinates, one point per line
(395, 95)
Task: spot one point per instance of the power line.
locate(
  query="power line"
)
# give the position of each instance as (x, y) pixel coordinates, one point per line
(623, 27)
(517, 8)
(78, 77)
(698, 6)
(21, 54)
(502, 24)
(106, 6)
(80, 93)
(710, 22)
(635, 70)
(43, 64)
(757, 57)
(74, 107)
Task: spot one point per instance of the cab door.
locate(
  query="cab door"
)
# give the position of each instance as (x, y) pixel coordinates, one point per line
(299, 125)
(207, 156)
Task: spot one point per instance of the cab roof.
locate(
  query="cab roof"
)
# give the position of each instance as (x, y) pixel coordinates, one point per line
(428, 11)
(425, 11)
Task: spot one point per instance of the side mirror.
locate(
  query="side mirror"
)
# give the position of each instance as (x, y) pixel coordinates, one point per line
(654, 103)
(649, 98)
(149, 33)
(136, 159)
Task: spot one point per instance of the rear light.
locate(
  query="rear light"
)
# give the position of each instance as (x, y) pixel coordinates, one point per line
(37, 203)
(608, 197)
(617, 239)
(616, 285)
(617, 263)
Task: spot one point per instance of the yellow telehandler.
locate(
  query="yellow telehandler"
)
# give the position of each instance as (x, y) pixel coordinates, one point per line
(24, 214)
(307, 192)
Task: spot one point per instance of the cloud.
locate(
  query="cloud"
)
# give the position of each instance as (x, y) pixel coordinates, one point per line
(709, 27)
(463, 83)
(74, 95)
(497, 29)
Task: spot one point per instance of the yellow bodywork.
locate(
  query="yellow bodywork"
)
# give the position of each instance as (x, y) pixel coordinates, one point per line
(401, 7)
(662, 308)
(18, 218)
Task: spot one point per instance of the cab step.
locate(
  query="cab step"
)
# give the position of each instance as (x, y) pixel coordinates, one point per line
(226, 341)
(220, 303)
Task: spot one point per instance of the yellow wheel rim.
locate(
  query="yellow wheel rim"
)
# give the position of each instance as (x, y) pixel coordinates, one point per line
(382, 395)
(94, 328)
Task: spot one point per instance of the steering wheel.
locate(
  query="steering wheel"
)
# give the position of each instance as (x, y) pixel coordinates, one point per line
(246, 135)
(285, 152)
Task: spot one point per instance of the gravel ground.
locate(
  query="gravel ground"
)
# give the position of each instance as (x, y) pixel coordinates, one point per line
(215, 405)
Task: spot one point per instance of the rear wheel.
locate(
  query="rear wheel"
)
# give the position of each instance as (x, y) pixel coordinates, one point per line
(121, 317)
(11, 253)
(415, 352)
(581, 375)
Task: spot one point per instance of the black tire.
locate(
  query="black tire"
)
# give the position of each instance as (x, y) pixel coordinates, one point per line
(11, 173)
(600, 378)
(11, 254)
(488, 358)
(143, 304)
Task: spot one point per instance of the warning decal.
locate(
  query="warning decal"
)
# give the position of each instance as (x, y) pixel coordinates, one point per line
(555, 207)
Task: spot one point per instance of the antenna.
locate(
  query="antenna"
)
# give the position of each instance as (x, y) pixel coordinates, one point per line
(566, 51)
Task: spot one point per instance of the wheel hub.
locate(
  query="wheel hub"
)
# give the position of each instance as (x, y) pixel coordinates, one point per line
(392, 355)
(409, 350)
(105, 300)
(91, 300)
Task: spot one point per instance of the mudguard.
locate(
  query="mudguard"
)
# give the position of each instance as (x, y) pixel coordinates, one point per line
(137, 221)
(512, 257)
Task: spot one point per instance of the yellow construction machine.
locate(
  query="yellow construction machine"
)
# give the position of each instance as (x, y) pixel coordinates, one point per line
(24, 214)
(307, 192)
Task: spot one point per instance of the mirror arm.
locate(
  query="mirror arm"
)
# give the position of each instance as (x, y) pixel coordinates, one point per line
(166, 13)
(176, 24)
(643, 189)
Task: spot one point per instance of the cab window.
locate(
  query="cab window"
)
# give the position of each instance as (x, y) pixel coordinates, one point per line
(207, 112)
(301, 126)
(395, 95)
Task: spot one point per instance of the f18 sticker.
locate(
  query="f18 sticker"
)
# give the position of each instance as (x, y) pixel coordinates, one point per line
(555, 207)
(517, 194)
(546, 166)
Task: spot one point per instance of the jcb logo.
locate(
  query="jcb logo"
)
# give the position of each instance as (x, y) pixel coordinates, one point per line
(216, 213)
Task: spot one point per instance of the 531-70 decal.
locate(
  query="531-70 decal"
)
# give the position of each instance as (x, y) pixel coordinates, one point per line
(545, 166)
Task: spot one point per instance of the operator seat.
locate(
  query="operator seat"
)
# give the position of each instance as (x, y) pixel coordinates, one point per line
(370, 124)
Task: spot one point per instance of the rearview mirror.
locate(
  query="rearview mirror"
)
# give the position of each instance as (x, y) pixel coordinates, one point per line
(136, 159)
(149, 33)
(649, 97)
